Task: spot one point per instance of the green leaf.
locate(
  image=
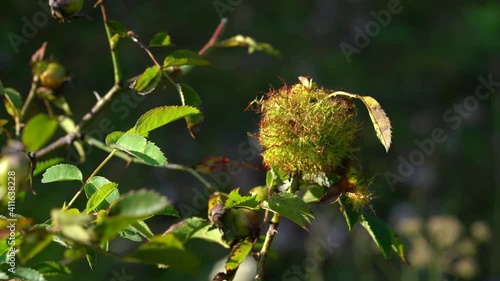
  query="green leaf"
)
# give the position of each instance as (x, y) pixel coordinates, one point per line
(147, 81)
(117, 28)
(43, 165)
(161, 39)
(139, 147)
(140, 226)
(131, 235)
(113, 137)
(351, 216)
(184, 57)
(313, 193)
(236, 200)
(238, 254)
(57, 100)
(70, 224)
(33, 243)
(379, 232)
(211, 234)
(161, 116)
(380, 121)
(27, 274)
(138, 204)
(62, 172)
(91, 257)
(95, 185)
(289, 206)
(245, 41)
(398, 247)
(190, 97)
(270, 178)
(52, 268)
(38, 131)
(186, 228)
(166, 250)
(100, 196)
(13, 101)
(170, 211)
(111, 227)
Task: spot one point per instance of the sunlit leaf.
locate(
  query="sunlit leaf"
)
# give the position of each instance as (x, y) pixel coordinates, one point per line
(184, 57)
(238, 254)
(138, 204)
(236, 200)
(95, 185)
(250, 43)
(113, 137)
(380, 121)
(41, 166)
(351, 216)
(13, 101)
(117, 28)
(191, 98)
(62, 172)
(379, 232)
(139, 147)
(289, 206)
(29, 274)
(38, 131)
(147, 81)
(161, 116)
(161, 39)
(100, 196)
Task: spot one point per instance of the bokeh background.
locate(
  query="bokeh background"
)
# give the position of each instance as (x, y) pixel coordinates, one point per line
(424, 62)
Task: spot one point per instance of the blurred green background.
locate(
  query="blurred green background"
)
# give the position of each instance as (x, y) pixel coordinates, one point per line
(424, 62)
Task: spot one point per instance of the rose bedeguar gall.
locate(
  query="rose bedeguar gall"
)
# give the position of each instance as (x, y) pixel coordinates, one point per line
(305, 129)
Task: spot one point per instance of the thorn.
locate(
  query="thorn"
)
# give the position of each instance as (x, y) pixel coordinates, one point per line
(97, 96)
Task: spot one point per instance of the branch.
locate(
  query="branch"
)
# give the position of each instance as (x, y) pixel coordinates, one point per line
(215, 36)
(170, 166)
(273, 229)
(70, 137)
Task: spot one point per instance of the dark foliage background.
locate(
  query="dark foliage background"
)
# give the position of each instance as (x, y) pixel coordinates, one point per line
(424, 62)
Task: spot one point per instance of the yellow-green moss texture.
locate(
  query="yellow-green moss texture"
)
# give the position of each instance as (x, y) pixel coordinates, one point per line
(305, 129)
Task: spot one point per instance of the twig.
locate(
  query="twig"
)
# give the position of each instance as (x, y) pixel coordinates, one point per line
(67, 139)
(34, 84)
(215, 36)
(90, 177)
(114, 55)
(273, 229)
(171, 166)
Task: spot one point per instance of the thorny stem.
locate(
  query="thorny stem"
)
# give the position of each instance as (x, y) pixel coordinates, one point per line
(114, 56)
(117, 88)
(171, 166)
(273, 229)
(34, 84)
(67, 139)
(90, 177)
